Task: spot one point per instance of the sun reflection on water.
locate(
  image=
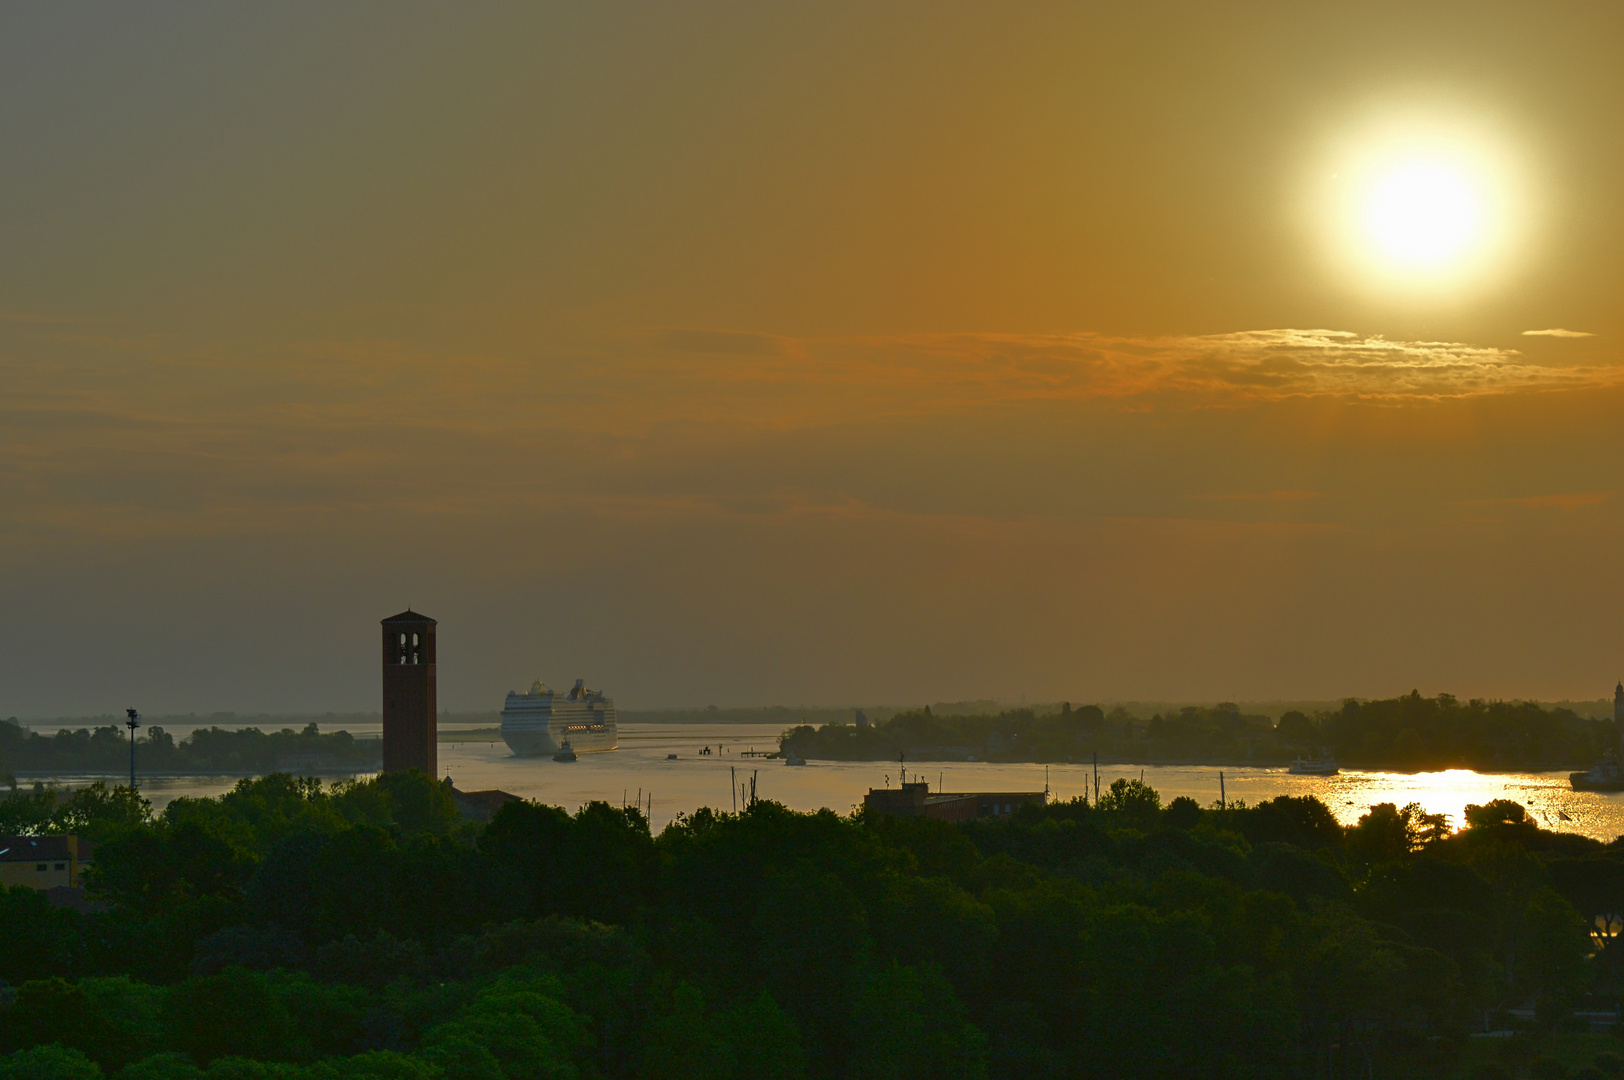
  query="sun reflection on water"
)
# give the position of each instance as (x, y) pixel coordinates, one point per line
(1548, 797)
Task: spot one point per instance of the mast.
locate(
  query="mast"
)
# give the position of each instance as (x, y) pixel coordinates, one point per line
(132, 723)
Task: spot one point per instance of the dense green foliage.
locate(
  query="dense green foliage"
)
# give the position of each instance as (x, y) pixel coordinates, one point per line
(291, 930)
(1410, 732)
(212, 749)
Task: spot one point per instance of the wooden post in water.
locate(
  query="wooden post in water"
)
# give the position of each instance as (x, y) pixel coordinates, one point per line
(1222, 799)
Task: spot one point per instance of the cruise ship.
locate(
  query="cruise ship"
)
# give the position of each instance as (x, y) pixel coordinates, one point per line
(538, 722)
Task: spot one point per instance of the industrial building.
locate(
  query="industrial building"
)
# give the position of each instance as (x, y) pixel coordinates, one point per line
(915, 800)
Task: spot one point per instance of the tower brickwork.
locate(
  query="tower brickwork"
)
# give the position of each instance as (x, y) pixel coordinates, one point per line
(410, 740)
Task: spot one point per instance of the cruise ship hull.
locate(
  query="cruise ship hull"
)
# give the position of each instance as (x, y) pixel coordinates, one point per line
(538, 724)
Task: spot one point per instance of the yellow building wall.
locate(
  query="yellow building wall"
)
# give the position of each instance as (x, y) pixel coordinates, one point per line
(56, 872)
(13, 873)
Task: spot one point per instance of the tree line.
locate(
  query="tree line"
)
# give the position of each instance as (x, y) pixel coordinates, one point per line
(212, 749)
(290, 930)
(1409, 733)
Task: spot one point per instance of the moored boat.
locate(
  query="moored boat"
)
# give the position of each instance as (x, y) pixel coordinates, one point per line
(565, 753)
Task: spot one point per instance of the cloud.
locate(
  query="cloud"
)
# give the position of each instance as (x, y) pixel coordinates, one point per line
(727, 342)
(1566, 501)
(1557, 331)
(121, 436)
(934, 373)
(1260, 496)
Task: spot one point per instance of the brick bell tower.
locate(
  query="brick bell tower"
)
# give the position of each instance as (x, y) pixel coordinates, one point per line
(409, 699)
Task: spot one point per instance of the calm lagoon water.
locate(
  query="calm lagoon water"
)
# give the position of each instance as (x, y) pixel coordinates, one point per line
(640, 767)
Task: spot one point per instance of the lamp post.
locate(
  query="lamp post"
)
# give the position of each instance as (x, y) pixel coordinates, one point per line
(132, 723)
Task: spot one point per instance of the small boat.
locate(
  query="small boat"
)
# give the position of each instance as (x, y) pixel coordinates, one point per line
(1325, 766)
(670, 757)
(565, 752)
(792, 758)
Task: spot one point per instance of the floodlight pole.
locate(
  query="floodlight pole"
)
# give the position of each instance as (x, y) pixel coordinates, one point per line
(132, 723)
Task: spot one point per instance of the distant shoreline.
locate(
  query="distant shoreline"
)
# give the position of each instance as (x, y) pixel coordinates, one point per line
(1204, 763)
(1598, 708)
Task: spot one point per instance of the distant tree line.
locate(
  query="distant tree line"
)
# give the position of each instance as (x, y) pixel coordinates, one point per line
(1410, 732)
(212, 749)
(294, 931)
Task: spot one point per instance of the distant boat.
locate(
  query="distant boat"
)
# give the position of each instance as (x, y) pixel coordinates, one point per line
(670, 757)
(1604, 775)
(1325, 766)
(565, 753)
(792, 758)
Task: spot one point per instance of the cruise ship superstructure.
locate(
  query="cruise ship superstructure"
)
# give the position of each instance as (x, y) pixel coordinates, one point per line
(539, 721)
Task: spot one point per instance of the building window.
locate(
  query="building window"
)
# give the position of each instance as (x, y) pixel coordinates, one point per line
(41, 866)
(61, 866)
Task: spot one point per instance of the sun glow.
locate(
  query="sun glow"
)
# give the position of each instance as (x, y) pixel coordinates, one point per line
(1424, 213)
(1416, 206)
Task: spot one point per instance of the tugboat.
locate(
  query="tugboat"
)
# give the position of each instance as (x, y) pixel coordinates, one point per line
(1608, 773)
(1320, 766)
(565, 753)
(792, 758)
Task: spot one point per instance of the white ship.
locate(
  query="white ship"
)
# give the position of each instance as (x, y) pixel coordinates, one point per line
(1320, 766)
(542, 721)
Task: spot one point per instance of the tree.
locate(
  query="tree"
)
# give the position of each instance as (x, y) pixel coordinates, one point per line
(46, 1011)
(1595, 888)
(230, 1014)
(1296, 728)
(1303, 821)
(165, 1066)
(1496, 812)
(520, 1023)
(907, 1024)
(49, 1062)
(36, 937)
(681, 1043)
(1134, 800)
(763, 1039)
(99, 811)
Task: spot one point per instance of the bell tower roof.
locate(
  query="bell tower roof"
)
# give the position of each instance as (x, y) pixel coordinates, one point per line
(412, 617)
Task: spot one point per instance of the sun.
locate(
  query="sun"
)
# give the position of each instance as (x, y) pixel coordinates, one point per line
(1423, 214)
(1422, 206)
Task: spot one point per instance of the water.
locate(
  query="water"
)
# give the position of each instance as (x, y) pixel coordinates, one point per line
(640, 769)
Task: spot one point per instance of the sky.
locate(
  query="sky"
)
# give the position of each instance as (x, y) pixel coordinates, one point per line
(733, 353)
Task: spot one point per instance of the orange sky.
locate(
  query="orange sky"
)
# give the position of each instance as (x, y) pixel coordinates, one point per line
(735, 354)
